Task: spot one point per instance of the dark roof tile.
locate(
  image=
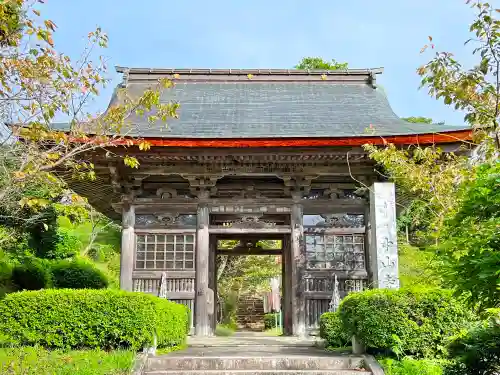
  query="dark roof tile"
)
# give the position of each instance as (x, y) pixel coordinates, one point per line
(277, 109)
(275, 103)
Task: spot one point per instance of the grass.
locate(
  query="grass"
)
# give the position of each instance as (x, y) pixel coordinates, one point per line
(418, 267)
(224, 330)
(273, 332)
(31, 360)
(170, 349)
(339, 350)
(412, 366)
(105, 252)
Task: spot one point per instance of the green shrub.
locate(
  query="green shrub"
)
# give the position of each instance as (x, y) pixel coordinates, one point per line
(78, 274)
(5, 273)
(332, 331)
(6, 285)
(271, 320)
(478, 351)
(404, 321)
(32, 274)
(101, 319)
(470, 239)
(66, 246)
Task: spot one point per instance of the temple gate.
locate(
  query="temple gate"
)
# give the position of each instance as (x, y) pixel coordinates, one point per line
(259, 155)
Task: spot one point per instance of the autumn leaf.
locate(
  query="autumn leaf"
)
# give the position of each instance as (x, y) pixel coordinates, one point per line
(50, 25)
(131, 162)
(144, 145)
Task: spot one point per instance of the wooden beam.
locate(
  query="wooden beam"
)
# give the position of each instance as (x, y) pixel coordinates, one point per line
(324, 273)
(127, 246)
(334, 231)
(321, 295)
(157, 274)
(283, 229)
(180, 295)
(242, 202)
(248, 252)
(249, 236)
(147, 230)
(251, 170)
(202, 315)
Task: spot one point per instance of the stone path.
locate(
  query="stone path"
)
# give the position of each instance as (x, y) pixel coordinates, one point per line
(256, 354)
(253, 339)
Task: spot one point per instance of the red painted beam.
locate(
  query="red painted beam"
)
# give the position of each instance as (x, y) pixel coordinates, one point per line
(422, 139)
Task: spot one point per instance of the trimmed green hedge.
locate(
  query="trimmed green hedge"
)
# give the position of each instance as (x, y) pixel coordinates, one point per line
(102, 319)
(404, 321)
(332, 331)
(78, 274)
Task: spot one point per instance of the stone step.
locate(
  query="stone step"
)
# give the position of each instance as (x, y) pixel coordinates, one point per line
(259, 372)
(253, 363)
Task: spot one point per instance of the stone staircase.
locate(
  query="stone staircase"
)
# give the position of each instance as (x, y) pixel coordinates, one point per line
(250, 313)
(258, 360)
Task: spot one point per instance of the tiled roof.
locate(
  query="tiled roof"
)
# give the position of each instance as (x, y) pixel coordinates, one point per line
(228, 103)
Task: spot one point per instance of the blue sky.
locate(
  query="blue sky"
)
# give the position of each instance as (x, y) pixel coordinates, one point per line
(274, 34)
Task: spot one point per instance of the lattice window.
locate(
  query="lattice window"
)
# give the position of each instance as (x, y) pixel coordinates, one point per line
(338, 252)
(165, 252)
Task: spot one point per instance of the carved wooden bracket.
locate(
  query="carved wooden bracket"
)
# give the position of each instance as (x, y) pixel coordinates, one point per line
(166, 193)
(133, 187)
(115, 179)
(202, 186)
(297, 185)
(129, 189)
(250, 192)
(333, 192)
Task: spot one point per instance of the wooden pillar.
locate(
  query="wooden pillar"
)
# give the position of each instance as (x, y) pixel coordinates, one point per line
(127, 246)
(287, 281)
(383, 236)
(212, 278)
(298, 265)
(202, 313)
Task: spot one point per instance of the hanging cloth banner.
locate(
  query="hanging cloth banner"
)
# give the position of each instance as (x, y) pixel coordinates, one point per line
(275, 294)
